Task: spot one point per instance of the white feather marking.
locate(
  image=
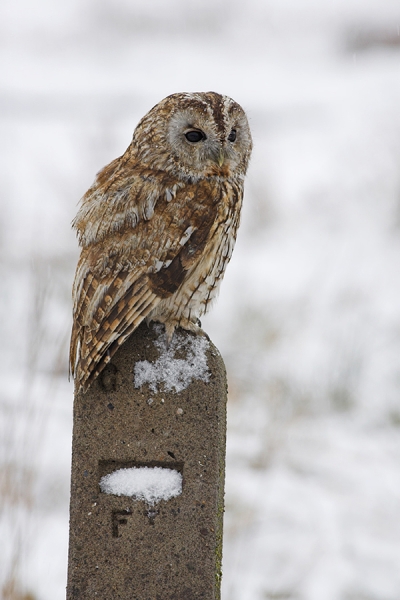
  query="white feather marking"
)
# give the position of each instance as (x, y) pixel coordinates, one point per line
(161, 265)
(186, 236)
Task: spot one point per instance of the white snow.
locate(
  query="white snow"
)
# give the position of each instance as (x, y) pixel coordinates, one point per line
(171, 373)
(150, 484)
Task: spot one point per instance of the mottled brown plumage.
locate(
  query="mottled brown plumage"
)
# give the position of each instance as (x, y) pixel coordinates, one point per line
(158, 226)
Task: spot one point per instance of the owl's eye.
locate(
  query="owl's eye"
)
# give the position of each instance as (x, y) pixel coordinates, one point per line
(232, 135)
(195, 135)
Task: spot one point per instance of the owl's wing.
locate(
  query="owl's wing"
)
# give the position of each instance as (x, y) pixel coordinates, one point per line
(122, 277)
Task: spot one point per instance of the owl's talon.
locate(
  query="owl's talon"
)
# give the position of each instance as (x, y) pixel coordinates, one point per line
(169, 333)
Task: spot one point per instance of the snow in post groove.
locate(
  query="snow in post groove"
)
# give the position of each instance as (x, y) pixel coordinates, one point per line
(150, 484)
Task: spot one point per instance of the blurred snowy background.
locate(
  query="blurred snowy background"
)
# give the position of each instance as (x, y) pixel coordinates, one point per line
(308, 318)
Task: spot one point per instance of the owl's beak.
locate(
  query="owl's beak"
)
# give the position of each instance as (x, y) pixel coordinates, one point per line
(220, 158)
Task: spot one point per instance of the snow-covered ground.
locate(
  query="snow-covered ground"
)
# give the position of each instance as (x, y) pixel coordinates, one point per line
(308, 318)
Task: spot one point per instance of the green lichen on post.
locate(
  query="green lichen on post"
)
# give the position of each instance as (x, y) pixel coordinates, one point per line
(219, 537)
(218, 551)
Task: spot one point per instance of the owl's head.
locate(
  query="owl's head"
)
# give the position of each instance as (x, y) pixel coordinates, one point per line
(195, 135)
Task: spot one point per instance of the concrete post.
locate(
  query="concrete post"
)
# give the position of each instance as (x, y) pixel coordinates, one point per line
(151, 407)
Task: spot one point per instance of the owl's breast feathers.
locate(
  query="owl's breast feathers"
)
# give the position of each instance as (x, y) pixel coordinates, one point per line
(143, 235)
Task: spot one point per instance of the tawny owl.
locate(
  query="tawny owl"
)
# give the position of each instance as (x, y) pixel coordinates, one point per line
(158, 226)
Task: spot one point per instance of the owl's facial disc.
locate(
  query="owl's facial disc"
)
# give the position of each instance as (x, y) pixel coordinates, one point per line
(203, 147)
(195, 135)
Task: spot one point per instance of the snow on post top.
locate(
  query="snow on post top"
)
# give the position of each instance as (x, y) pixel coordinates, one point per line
(150, 484)
(174, 373)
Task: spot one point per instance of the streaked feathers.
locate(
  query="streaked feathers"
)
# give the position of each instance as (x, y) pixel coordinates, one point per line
(158, 227)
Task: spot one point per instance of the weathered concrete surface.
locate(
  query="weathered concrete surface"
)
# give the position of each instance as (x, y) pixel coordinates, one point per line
(123, 549)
